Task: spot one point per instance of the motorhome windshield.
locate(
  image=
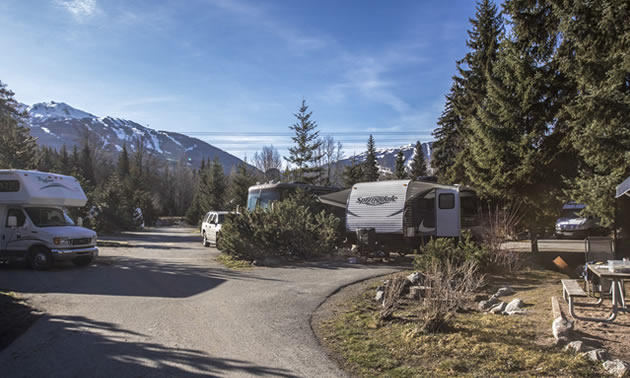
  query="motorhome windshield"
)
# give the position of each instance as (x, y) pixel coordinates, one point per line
(571, 213)
(265, 197)
(48, 217)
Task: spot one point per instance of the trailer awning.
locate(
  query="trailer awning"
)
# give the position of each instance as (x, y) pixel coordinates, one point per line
(338, 199)
(623, 188)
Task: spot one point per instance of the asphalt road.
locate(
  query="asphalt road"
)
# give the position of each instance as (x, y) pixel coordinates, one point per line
(162, 306)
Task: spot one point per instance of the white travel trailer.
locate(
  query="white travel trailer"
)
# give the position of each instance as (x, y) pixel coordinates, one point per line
(33, 225)
(403, 212)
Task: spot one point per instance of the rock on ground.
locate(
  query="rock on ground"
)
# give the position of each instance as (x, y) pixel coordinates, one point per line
(561, 328)
(575, 346)
(379, 296)
(597, 355)
(515, 305)
(498, 308)
(414, 277)
(617, 368)
(484, 305)
(504, 291)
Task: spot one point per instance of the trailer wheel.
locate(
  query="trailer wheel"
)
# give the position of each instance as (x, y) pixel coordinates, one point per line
(41, 258)
(82, 261)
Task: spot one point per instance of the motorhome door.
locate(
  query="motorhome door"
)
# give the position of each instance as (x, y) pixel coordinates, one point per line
(447, 213)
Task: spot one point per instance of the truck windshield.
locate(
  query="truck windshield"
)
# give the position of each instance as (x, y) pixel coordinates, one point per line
(48, 217)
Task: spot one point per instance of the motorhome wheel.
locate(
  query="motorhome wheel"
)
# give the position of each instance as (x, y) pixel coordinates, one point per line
(41, 259)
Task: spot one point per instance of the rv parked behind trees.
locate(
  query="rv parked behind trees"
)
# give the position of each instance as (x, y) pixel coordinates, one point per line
(33, 224)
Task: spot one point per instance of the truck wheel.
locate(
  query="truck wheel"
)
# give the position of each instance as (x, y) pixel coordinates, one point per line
(83, 261)
(41, 259)
(205, 241)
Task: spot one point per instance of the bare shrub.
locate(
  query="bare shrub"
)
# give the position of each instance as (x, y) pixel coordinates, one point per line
(391, 299)
(501, 225)
(451, 286)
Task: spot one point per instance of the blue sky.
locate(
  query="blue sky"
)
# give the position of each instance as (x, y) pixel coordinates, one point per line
(240, 66)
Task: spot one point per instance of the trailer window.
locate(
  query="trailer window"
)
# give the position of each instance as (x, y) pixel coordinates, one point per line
(19, 214)
(446, 201)
(9, 186)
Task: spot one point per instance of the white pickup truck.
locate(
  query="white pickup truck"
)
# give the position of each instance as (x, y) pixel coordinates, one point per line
(33, 224)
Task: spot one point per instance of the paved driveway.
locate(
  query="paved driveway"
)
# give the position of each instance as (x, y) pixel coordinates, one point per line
(162, 306)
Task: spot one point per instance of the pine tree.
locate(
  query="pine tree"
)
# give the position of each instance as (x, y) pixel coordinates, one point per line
(513, 140)
(399, 171)
(304, 154)
(64, 165)
(594, 57)
(123, 163)
(450, 151)
(370, 165)
(418, 164)
(352, 173)
(240, 182)
(86, 165)
(212, 187)
(18, 149)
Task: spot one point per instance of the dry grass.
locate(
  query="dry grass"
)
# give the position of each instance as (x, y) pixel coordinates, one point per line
(232, 263)
(477, 344)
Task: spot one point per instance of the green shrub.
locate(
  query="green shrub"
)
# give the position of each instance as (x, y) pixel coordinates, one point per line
(456, 252)
(289, 229)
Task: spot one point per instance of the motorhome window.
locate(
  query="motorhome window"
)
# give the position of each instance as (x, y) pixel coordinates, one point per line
(47, 216)
(268, 196)
(446, 201)
(252, 200)
(19, 214)
(9, 186)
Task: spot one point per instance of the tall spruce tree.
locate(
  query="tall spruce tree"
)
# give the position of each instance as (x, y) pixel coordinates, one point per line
(594, 57)
(399, 170)
(370, 165)
(418, 164)
(212, 187)
(513, 139)
(468, 92)
(18, 149)
(123, 163)
(304, 154)
(239, 185)
(352, 173)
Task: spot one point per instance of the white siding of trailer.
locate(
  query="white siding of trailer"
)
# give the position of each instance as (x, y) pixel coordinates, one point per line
(385, 215)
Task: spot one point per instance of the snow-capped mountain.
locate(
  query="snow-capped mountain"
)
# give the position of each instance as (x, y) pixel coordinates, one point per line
(56, 124)
(386, 157)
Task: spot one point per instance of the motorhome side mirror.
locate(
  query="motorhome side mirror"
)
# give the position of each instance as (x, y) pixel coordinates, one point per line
(12, 221)
(80, 222)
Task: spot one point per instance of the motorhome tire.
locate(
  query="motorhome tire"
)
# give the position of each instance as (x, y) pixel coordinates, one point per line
(205, 241)
(82, 261)
(41, 258)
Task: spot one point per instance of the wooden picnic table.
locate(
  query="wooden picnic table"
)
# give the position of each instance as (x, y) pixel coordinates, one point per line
(618, 300)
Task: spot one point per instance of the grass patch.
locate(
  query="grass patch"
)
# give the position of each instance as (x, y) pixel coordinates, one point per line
(232, 263)
(479, 344)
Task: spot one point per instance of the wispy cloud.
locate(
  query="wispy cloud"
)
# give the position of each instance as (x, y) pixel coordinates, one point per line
(297, 41)
(79, 9)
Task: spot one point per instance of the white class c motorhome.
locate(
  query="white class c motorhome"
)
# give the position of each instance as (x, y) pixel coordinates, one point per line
(33, 225)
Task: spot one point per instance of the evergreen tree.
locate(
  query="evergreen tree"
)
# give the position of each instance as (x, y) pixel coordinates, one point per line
(18, 149)
(399, 171)
(86, 165)
(514, 136)
(418, 164)
(468, 92)
(123, 163)
(240, 182)
(352, 173)
(370, 166)
(64, 164)
(594, 57)
(212, 188)
(304, 154)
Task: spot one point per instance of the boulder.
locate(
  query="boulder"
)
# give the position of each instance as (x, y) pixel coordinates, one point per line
(514, 306)
(575, 347)
(617, 368)
(561, 328)
(379, 295)
(504, 292)
(497, 309)
(414, 277)
(597, 355)
(485, 305)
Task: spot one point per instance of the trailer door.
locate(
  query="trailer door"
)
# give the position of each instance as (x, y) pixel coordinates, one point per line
(447, 213)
